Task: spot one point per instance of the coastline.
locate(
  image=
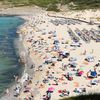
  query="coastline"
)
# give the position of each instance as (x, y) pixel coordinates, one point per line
(12, 85)
(18, 49)
(29, 61)
(25, 60)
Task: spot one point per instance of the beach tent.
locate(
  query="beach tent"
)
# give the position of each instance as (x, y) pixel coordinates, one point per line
(89, 58)
(74, 44)
(73, 64)
(56, 42)
(94, 82)
(64, 54)
(93, 73)
(48, 60)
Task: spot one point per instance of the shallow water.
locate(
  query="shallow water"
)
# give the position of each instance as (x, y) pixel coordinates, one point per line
(9, 65)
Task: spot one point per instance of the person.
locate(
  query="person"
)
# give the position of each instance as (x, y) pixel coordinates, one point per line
(32, 66)
(65, 92)
(84, 52)
(16, 78)
(44, 97)
(92, 51)
(32, 95)
(80, 90)
(17, 92)
(48, 95)
(79, 72)
(7, 92)
(69, 76)
(97, 65)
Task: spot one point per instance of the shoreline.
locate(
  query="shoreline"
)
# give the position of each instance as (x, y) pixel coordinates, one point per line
(16, 47)
(26, 60)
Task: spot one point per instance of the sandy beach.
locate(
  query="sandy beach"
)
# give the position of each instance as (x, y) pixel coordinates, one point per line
(61, 53)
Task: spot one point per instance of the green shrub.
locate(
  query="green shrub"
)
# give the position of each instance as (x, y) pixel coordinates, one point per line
(53, 7)
(84, 97)
(80, 4)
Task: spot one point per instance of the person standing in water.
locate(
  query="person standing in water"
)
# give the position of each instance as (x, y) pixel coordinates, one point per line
(7, 92)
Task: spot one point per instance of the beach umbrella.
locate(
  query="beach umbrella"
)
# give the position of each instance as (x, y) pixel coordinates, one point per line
(51, 89)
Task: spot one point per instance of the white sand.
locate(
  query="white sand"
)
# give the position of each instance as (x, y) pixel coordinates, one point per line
(61, 31)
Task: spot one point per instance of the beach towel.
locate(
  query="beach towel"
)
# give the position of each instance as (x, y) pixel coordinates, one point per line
(80, 73)
(76, 84)
(59, 91)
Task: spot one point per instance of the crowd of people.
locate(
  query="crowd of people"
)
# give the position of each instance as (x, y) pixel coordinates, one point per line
(64, 65)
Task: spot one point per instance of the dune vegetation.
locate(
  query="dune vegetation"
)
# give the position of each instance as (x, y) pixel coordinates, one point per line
(52, 4)
(85, 97)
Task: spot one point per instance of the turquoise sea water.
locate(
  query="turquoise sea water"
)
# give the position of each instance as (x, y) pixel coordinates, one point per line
(9, 65)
